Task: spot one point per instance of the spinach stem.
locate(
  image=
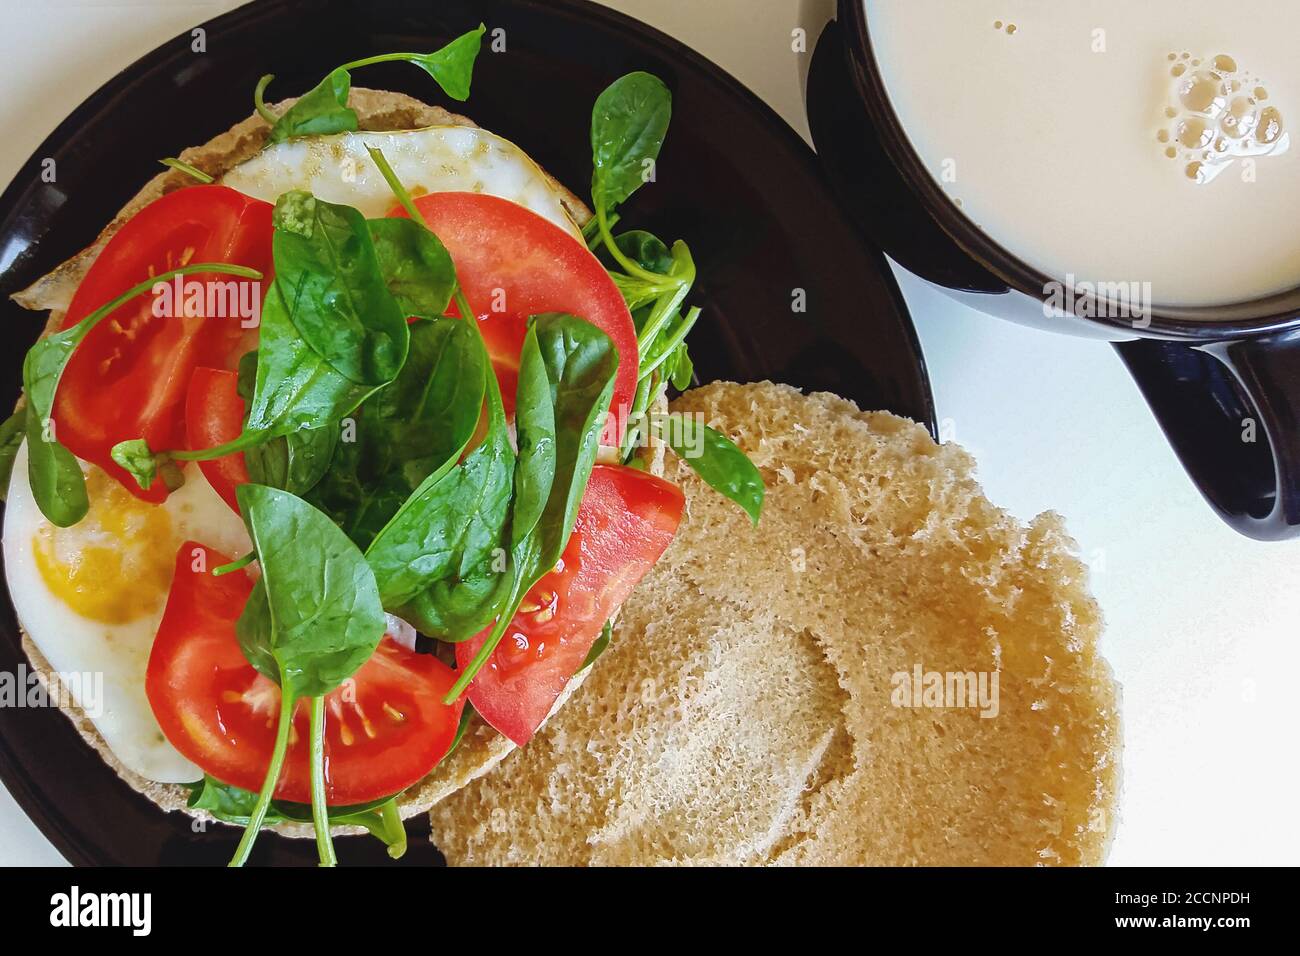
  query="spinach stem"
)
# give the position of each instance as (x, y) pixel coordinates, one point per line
(319, 812)
(381, 58)
(394, 830)
(591, 231)
(395, 184)
(192, 171)
(463, 307)
(259, 104)
(237, 565)
(82, 328)
(636, 417)
(485, 652)
(268, 785)
(670, 343)
(245, 440)
(630, 267)
(664, 309)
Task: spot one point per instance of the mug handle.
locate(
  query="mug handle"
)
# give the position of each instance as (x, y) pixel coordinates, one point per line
(1231, 410)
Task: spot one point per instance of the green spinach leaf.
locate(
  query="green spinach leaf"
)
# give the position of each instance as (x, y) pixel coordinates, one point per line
(296, 387)
(451, 67)
(314, 616)
(425, 418)
(12, 433)
(295, 462)
(232, 804)
(566, 378)
(412, 429)
(324, 109)
(256, 634)
(416, 266)
(55, 476)
(601, 645)
(326, 619)
(320, 111)
(628, 125)
(452, 522)
(342, 306)
(716, 459)
(458, 608)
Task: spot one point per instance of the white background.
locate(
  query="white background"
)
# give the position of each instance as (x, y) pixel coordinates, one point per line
(1201, 623)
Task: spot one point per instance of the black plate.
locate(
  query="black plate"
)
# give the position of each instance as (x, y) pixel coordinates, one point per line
(734, 181)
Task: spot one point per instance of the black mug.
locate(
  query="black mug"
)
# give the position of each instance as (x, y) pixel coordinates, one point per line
(1223, 381)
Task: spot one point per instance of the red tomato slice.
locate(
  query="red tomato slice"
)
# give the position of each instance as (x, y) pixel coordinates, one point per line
(384, 729)
(214, 415)
(513, 264)
(128, 378)
(625, 523)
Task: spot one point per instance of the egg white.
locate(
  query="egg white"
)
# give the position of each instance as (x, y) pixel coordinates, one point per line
(338, 169)
(73, 644)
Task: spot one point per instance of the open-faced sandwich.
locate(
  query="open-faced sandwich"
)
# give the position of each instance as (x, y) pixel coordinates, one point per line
(342, 448)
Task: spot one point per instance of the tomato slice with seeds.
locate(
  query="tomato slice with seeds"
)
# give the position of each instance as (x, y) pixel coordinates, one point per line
(626, 521)
(128, 378)
(513, 264)
(384, 729)
(214, 415)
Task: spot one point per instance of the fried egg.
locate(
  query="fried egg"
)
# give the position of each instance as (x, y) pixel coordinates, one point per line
(91, 597)
(339, 169)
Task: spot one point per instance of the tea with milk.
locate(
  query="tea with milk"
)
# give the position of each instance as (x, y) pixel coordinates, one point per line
(1111, 140)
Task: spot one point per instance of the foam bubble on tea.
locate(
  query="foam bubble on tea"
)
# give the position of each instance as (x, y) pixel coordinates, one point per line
(1112, 140)
(1219, 115)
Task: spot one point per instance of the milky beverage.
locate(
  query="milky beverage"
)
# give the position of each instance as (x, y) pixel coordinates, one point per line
(1111, 140)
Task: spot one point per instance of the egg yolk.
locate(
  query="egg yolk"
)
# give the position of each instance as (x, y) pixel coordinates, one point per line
(115, 565)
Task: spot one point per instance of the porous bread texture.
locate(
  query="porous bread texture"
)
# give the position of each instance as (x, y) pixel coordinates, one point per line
(743, 714)
(377, 110)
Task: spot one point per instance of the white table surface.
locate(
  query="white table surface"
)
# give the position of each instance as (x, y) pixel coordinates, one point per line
(1202, 624)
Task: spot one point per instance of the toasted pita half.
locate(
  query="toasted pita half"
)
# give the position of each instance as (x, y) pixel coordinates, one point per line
(749, 709)
(482, 748)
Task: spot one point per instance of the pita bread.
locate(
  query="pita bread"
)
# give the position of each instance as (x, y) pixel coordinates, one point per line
(746, 710)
